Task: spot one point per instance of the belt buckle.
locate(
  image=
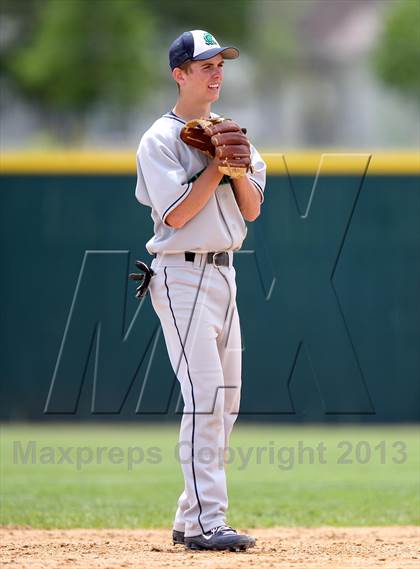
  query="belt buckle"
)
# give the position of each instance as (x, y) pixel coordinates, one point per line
(215, 255)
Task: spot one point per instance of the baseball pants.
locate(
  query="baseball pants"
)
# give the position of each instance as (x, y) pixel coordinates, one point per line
(196, 305)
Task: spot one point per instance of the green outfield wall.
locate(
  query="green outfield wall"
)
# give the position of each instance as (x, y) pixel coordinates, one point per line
(328, 292)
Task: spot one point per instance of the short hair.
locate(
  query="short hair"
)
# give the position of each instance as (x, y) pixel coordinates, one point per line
(186, 66)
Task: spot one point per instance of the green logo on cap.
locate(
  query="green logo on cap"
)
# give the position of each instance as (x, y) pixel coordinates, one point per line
(209, 39)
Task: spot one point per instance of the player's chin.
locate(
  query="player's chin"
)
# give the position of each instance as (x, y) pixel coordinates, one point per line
(213, 94)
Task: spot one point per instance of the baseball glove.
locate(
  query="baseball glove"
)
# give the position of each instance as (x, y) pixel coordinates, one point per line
(223, 139)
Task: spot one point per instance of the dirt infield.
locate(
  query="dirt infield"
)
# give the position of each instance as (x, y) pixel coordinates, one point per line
(389, 547)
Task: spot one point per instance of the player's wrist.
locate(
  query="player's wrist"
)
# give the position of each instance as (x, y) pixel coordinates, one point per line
(213, 167)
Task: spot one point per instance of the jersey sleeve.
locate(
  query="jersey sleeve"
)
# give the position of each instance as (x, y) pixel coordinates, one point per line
(258, 176)
(162, 176)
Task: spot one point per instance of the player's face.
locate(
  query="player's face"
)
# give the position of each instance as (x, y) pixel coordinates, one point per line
(205, 78)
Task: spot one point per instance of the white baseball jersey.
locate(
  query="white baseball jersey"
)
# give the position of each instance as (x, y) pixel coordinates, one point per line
(166, 170)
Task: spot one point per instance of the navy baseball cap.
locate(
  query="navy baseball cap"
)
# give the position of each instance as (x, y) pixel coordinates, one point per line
(197, 45)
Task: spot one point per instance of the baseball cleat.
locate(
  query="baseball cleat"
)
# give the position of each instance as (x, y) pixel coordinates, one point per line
(220, 538)
(177, 537)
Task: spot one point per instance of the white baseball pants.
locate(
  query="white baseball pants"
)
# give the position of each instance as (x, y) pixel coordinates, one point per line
(196, 305)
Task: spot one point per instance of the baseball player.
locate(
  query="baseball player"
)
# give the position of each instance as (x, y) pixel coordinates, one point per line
(199, 217)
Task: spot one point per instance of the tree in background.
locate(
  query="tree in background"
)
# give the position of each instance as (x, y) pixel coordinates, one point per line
(85, 51)
(397, 58)
(81, 52)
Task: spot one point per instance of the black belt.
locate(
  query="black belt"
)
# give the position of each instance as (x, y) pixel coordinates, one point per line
(216, 258)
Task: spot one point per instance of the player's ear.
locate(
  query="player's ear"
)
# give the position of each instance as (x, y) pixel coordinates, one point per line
(178, 75)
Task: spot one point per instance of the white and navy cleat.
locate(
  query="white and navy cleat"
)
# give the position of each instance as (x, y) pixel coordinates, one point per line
(220, 538)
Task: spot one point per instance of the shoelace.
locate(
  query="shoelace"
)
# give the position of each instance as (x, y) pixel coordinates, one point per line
(222, 530)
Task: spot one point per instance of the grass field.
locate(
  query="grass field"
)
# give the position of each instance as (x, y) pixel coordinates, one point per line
(352, 476)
